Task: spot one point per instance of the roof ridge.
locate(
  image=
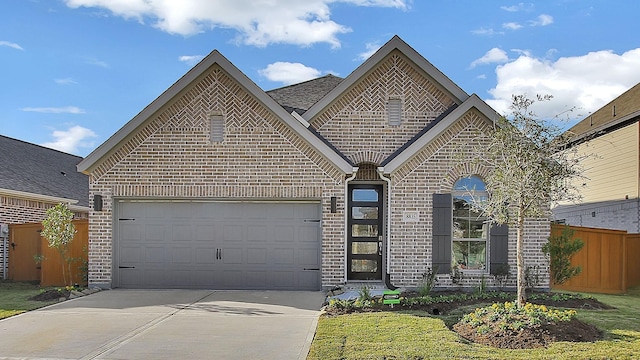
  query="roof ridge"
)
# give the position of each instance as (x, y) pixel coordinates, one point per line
(304, 82)
(40, 146)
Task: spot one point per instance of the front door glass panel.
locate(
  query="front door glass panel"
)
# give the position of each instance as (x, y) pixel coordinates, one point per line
(365, 222)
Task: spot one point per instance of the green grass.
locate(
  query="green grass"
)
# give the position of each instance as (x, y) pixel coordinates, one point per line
(415, 335)
(14, 298)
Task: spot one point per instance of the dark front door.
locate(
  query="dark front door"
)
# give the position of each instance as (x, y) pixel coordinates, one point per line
(364, 238)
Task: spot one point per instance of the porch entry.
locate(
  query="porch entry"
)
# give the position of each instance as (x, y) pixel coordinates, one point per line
(364, 234)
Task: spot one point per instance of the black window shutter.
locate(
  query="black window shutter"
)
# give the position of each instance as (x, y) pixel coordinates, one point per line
(499, 245)
(441, 242)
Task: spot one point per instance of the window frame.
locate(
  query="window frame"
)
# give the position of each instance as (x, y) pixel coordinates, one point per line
(461, 191)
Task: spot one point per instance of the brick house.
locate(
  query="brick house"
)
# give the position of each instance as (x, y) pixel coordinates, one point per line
(219, 184)
(611, 196)
(33, 179)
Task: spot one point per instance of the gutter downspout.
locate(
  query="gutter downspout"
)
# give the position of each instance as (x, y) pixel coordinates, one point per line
(346, 217)
(387, 278)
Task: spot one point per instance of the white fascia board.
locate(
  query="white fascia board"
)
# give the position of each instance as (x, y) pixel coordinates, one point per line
(396, 42)
(214, 58)
(473, 102)
(37, 197)
(301, 119)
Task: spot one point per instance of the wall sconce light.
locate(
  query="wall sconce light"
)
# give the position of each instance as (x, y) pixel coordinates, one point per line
(334, 204)
(97, 202)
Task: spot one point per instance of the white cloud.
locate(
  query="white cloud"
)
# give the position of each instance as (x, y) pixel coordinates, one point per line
(96, 62)
(486, 32)
(71, 140)
(258, 23)
(191, 60)
(542, 20)
(518, 7)
(289, 73)
(492, 56)
(55, 110)
(11, 45)
(586, 82)
(371, 49)
(511, 26)
(66, 81)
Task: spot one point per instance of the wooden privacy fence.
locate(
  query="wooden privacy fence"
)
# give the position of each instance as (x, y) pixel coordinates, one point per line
(25, 243)
(609, 260)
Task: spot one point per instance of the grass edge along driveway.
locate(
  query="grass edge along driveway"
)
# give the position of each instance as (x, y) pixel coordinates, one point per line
(417, 335)
(14, 298)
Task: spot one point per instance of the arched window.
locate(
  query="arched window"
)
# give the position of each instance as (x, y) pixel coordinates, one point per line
(470, 228)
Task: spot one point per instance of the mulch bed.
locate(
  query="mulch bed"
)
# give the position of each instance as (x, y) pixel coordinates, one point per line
(50, 295)
(529, 338)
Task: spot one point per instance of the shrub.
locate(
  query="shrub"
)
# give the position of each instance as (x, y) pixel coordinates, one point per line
(508, 316)
(560, 249)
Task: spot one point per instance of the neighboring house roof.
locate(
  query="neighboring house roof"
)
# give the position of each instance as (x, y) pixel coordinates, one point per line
(619, 112)
(32, 169)
(213, 58)
(300, 97)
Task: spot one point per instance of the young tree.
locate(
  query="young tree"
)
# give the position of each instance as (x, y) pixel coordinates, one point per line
(531, 168)
(58, 229)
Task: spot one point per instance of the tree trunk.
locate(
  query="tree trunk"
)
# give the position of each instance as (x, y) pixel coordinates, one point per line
(522, 283)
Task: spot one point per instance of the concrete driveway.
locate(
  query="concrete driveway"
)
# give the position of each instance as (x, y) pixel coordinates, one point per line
(167, 324)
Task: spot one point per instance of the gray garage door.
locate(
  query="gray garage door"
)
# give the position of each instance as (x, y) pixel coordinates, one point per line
(217, 245)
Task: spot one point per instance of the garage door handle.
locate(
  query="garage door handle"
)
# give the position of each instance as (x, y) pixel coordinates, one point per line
(127, 219)
(312, 220)
(126, 267)
(314, 269)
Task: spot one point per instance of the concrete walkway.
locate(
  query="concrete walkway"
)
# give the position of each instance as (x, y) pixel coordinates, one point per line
(167, 324)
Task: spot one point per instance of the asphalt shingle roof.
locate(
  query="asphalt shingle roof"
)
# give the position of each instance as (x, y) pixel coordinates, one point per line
(36, 169)
(300, 97)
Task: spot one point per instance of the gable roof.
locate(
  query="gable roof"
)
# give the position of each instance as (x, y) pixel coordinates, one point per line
(434, 129)
(27, 169)
(300, 97)
(395, 43)
(627, 111)
(112, 144)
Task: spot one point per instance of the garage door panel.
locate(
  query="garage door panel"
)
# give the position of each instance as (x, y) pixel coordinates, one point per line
(308, 257)
(257, 256)
(181, 255)
(206, 255)
(213, 245)
(285, 233)
(283, 256)
(232, 232)
(257, 233)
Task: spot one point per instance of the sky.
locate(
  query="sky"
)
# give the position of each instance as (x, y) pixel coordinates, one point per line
(73, 72)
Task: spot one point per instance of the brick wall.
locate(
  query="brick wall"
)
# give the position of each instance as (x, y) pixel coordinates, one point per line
(357, 124)
(172, 157)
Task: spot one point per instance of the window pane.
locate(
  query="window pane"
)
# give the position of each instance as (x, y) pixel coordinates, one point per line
(362, 212)
(364, 195)
(470, 255)
(362, 230)
(471, 183)
(460, 207)
(364, 247)
(360, 265)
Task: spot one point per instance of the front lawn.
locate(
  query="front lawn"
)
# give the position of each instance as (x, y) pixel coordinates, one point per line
(418, 335)
(14, 298)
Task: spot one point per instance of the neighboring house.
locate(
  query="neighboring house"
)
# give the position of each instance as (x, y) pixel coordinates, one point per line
(611, 192)
(33, 179)
(218, 184)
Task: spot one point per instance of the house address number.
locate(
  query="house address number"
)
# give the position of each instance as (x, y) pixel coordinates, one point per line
(410, 216)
